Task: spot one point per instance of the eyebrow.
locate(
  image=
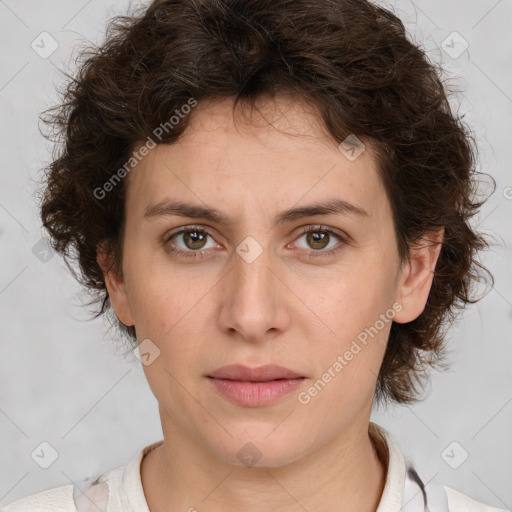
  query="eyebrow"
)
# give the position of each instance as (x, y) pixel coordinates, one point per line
(183, 209)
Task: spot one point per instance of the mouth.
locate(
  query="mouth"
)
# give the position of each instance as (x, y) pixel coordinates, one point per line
(265, 373)
(255, 387)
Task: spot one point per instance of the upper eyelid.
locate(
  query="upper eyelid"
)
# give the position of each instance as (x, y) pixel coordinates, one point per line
(184, 229)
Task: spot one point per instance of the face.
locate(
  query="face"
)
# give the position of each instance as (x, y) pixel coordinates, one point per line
(252, 286)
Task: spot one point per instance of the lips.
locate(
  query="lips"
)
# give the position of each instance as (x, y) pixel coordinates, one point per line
(255, 387)
(264, 373)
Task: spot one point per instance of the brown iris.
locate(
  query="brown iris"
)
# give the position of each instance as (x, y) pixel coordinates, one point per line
(194, 239)
(317, 237)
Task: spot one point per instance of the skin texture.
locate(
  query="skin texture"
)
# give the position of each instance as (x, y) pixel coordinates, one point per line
(284, 308)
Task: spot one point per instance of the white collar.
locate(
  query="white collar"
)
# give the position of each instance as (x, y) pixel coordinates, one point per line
(126, 491)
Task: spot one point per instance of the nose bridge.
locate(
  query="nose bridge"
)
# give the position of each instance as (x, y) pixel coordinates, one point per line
(251, 305)
(252, 270)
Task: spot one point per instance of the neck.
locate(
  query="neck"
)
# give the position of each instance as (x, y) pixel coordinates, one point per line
(347, 473)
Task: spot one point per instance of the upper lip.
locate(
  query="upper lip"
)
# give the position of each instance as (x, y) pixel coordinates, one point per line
(259, 374)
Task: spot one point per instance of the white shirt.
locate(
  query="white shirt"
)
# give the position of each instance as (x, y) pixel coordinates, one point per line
(120, 489)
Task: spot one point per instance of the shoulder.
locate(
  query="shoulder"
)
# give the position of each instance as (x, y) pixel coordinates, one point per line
(406, 491)
(58, 499)
(459, 502)
(116, 490)
(86, 496)
(439, 497)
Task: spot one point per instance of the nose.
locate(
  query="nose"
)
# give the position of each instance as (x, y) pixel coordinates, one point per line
(253, 297)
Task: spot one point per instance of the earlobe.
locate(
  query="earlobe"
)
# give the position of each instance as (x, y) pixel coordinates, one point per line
(116, 288)
(417, 276)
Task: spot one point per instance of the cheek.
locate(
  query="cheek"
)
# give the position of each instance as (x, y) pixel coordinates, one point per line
(350, 301)
(349, 361)
(162, 296)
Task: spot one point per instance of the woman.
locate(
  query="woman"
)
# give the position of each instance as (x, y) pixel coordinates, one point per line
(273, 197)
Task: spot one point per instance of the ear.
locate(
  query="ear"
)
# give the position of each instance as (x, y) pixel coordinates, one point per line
(115, 286)
(417, 275)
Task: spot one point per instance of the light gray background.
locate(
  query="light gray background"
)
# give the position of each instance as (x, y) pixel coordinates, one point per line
(60, 379)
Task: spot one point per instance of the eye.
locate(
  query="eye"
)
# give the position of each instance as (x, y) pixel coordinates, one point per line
(319, 238)
(193, 239)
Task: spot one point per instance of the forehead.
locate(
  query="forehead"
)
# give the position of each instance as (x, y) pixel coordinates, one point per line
(284, 114)
(278, 153)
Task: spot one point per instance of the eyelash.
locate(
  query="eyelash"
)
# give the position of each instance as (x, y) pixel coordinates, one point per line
(201, 254)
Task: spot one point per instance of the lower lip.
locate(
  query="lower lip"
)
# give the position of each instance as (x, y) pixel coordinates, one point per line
(256, 394)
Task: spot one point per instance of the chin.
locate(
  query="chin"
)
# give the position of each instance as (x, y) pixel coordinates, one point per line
(261, 449)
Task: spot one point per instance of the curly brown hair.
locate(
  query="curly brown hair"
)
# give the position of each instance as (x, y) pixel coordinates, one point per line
(351, 59)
